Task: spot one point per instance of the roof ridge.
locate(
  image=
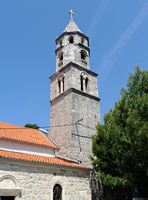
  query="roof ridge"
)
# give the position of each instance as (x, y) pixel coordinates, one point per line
(9, 124)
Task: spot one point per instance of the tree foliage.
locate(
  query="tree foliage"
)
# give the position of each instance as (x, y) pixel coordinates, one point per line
(120, 147)
(34, 126)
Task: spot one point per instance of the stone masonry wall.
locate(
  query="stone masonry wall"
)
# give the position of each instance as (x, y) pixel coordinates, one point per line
(87, 109)
(71, 52)
(37, 182)
(74, 141)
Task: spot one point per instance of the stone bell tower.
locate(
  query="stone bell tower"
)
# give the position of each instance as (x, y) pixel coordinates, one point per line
(74, 95)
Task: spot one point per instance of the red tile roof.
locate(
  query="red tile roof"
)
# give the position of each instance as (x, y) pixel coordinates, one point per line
(23, 134)
(39, 159)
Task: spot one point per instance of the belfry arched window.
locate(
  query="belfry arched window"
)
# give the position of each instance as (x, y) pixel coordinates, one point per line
(81, 80)
(61, 83)
(83, 55)
(60, 58)
(57, 192)
(59, 86)
(71, 40)
(84, 81)
(82, 40)
(60, 43)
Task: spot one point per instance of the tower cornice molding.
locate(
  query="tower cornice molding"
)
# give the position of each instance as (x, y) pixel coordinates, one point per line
(71, 64)
(72, 33)
(73, 90)
(79, 44)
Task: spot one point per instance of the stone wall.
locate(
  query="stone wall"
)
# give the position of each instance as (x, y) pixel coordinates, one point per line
(37, 181)
(71, 52)
(74, 140)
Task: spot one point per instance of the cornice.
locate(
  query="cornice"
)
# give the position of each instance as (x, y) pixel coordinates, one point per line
(71, 64)
(74, 91)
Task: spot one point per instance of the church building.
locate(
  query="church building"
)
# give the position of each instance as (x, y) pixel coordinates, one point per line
(55, 165)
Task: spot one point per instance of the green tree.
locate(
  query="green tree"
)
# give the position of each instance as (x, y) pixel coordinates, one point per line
(120, 146)
(34, 126)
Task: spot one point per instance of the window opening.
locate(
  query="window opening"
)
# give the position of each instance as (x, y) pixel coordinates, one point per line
(60, 43)
(63, 83)
(71, 40)
(6, 198)
(59, 85)
(81, 77)
(86, 84)
(61, 57)
(82, 40)
(83, 55)
(57, 192)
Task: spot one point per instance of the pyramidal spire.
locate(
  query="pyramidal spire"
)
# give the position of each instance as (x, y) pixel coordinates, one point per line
(72, 26)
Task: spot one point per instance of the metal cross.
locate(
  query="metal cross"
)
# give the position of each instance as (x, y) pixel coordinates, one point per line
(71, 14)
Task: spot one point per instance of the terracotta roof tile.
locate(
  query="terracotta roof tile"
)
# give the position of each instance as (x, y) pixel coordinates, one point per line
(39, 159)
(23, 134)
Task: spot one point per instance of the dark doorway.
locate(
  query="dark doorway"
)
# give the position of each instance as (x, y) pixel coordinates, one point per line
(6, 198)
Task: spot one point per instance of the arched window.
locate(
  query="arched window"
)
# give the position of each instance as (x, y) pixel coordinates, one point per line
(84, 82)
(61, 56)
(60, 43)
(71, 40)
(82, 40)
(81, 79)
(61, 83)
(57, 192)
(59, 86)
(83, 55)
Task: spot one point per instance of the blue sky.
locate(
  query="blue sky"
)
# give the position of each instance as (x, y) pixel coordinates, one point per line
(118, 32)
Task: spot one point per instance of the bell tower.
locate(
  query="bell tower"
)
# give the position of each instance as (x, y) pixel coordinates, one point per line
(74, 95)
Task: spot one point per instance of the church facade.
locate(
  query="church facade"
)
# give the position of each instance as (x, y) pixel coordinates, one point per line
(55, 165)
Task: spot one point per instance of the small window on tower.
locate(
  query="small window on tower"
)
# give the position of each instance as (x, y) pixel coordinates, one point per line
(82, 40)
(81, 79)
(63, 83)
(59, 86)
(61, 57)
(84, 81)
(83, 55)
(60, 43)
(71, 40)
(86, 84)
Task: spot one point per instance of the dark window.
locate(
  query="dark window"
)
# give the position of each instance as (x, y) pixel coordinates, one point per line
(81, 79)
(60, 43)
(59, 85)
(57, 192)
(61, 57)
(82, 40)
(83, 55)
(63, 83)
(71, 40)
(86, 84)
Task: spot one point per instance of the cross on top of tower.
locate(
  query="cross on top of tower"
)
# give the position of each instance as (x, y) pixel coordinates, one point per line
(71, 12)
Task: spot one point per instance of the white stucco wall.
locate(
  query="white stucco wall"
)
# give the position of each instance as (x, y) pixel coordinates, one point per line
(26, 148)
